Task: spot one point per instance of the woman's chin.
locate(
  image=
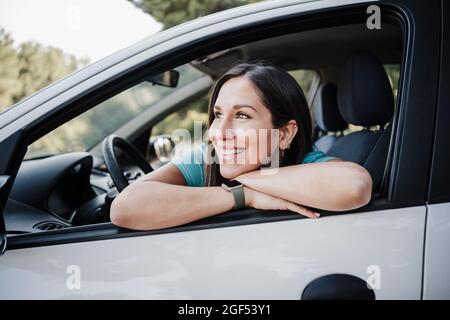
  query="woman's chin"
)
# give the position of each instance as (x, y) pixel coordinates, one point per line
(232, 171)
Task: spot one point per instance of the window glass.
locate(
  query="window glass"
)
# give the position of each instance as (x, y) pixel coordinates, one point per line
(304, 78)
(184, 118)
(87, 130)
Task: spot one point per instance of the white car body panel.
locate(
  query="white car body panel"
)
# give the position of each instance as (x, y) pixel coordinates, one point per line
(437, 256)
(261, 261)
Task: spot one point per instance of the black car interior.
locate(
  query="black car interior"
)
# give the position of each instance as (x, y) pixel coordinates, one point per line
(365, 99)
(329, 122)
(75, 188)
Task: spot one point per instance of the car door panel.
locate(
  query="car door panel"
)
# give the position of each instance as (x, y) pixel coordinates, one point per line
(274, 260)
(437, 258)
(437, 242)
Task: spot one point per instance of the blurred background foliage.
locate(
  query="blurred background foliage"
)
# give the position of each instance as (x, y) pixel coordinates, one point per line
(184, 118)
(174, 12)
(28, 67)
(89, 128)
(393, 71)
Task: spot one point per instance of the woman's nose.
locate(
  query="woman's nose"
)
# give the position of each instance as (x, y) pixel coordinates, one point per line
(224, 131)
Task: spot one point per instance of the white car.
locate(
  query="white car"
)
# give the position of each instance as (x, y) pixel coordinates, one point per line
(377, 77)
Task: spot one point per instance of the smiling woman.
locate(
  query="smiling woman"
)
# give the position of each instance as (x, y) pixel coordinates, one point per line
(266, 104)
(256, 113)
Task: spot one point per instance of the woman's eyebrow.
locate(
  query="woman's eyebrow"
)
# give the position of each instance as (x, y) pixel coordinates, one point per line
(237, 106)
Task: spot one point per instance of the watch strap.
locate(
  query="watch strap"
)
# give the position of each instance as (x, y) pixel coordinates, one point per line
(238, 194)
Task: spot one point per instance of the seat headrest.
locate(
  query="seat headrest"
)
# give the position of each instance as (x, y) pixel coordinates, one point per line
(326, 112)
(365, 95)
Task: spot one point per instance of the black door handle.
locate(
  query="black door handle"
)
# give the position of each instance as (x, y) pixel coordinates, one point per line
(338, 287)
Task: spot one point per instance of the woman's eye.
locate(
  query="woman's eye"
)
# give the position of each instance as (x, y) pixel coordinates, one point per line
(217, 114)
(241, 115)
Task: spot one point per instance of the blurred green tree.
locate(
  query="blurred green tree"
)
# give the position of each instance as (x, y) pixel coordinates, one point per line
(29, 67)
(393, 72)
(10, 85)
(174, 12)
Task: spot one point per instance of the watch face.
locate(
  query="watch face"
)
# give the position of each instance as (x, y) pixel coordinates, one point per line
(233, 183)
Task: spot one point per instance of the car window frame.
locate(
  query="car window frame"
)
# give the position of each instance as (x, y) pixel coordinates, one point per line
(247, 216)
(439, 188)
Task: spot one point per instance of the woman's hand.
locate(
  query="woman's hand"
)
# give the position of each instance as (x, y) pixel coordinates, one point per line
(347, 185)
(259, 200)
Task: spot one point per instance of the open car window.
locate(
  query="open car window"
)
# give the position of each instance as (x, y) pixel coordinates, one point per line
(91, 127)
(305, 78)
(88, 129)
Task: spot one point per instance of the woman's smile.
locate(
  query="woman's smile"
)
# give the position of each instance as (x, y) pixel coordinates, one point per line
(230, 154)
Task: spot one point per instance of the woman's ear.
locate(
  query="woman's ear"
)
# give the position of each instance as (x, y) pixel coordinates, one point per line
(287, 133)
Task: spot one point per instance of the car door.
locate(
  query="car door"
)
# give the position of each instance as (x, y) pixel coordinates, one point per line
(247, 253)
(437, 242)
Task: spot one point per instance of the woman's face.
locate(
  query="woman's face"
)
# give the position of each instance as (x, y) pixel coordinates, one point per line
(241, 130)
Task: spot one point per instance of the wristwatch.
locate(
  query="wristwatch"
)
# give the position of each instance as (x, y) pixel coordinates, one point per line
(237, 189)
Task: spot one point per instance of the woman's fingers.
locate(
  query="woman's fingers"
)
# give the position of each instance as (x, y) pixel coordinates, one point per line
(302, 210)
(267, 202)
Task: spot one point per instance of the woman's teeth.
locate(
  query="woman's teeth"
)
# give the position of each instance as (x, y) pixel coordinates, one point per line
(227, 152)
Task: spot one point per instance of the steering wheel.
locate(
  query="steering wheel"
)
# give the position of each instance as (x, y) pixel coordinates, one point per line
(110, 144)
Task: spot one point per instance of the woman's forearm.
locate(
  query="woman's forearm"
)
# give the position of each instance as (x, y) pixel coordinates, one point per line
(148, 205)
(334, 185)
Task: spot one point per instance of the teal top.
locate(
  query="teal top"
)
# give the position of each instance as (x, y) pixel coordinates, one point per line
(191, 164)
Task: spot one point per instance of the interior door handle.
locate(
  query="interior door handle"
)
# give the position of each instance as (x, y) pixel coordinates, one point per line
(338, 287)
